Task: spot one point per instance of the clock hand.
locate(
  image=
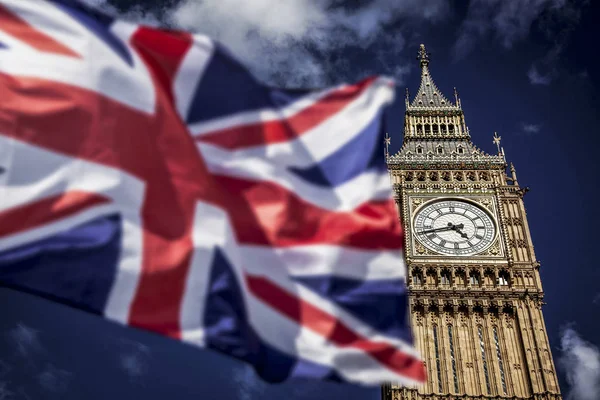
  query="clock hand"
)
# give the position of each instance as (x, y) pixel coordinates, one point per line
(450, 227)
(457, 229)
(445, 228)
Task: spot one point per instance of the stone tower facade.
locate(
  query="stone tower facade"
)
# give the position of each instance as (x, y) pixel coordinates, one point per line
(475, 291)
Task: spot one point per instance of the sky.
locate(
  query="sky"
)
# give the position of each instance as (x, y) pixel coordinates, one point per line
(527, 69)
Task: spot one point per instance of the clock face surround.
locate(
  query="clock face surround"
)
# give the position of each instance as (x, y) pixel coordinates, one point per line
(454, 227)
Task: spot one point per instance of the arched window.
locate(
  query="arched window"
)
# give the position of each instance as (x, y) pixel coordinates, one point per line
(440, 150)
(435, 128)
(443, 128)
(419, 150)
(460, 150)
(483, 358)
(445, 276)
(474, 279)
(419, 128)
(450, 128)
(503, 278)
(427, 128)
(500, 363)
(417, 279)
(452, 358)
(437, 358)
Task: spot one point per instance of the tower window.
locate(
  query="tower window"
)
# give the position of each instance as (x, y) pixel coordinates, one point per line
(427, 128)
(474, 279)
(500, 363)
(419, 128)
(451, 128)
(485, 368)
(460, 150)
(417, 280)
(419, 150)
(445, 278)
(435, 128)
(443, 126)
(452, 360)
(437, 358)
(503, 279)
(440, 150)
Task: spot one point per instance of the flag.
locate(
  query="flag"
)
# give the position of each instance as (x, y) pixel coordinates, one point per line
(147, 177)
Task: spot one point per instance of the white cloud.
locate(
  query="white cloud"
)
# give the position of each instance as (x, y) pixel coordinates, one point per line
(25, 339)
(580, 361)
(537, 78)
(531, 129)
(298, 43)
(134, 358)
(5, 393)
(54, 379)
(248, 385)
(284, 42)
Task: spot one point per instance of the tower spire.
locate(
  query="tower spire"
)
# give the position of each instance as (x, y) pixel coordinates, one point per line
(428, 95)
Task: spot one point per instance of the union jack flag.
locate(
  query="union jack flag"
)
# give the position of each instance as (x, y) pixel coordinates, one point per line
(147, 177)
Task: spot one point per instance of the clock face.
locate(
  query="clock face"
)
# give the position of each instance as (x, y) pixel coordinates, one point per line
(454, 227)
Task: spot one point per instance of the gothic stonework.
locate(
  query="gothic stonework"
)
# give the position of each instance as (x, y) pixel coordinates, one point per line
(473, 279)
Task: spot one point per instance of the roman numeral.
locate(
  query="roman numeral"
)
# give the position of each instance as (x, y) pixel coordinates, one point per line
(431, 237)
(443, 243)
(478, 236)
(451, 209)
(456, 246)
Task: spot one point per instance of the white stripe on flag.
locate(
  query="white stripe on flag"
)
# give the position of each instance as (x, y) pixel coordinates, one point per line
(369, 185)
(287, 336)
(326, 260)
(190, 73)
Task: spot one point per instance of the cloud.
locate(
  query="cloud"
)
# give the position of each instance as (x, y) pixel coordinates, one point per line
(536, 78)
(4, 369)
(512, 21)
(508, 21)
(581, 362)
(134, 358)
(300, 43)
(530, 129)
(54, 379)
(596, 299)
(5, 393)
(248, 385)
(25, 339)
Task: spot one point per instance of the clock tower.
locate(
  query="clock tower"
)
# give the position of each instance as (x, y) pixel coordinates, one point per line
(475, 291)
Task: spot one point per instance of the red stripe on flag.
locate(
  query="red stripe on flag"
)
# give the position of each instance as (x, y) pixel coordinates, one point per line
(28, 216)
(163, 52)
(269, 132)
(334, 330)
(271, 215)
(20, 29)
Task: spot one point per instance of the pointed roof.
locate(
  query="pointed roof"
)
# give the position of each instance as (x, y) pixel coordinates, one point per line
(429, 96)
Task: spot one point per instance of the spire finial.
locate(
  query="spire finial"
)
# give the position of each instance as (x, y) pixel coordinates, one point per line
(423, 56)
(407, 98)
(387, 142)
(497, 141)
(456, 99)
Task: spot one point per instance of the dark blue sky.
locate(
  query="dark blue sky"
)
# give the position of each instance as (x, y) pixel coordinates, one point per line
(528, 72)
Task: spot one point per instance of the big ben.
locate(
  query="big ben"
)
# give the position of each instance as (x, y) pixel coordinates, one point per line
(475, 291)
